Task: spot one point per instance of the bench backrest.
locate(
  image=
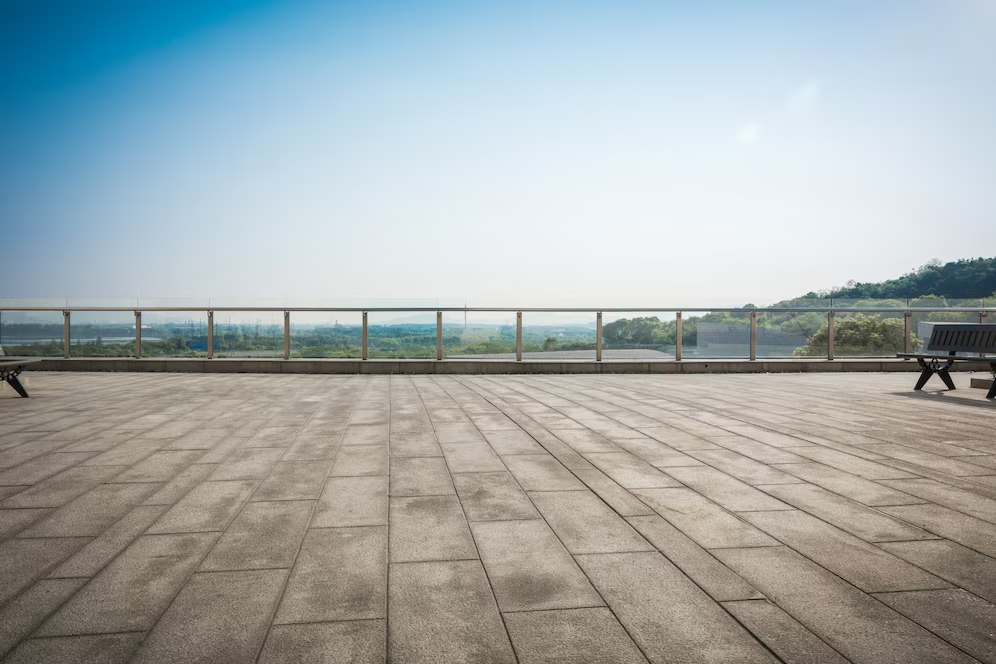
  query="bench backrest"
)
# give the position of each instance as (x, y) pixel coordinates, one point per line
(963, 337)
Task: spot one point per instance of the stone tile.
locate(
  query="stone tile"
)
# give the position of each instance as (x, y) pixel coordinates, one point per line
(131, 592)
(836, 611)
(58, 490)
(630, 472)
(361, 460)
(743, 468)
(444, 612)
(535, 472)
(92, 558)
(667, 615)
(273, 437)
(715, 578)
(367, 434)
(676, 439)
(850, 463)
(341, 574)
(180, 485)
(27, 611)
(868, 524)
(92, 513)
(98, 649)
(586, 440)
(293, 480)
(356, 641)
(782, 633)
(429, 528)
(209, 506)
(352, 501)
(218, 616)
(530, 569)
(247, 464)
(511, 441)
(967, 530)
(765, 436)
(757, 451)
(420, 476)
(957, 499)
(463, 432)
(705, 522)
(850, 486)
(959, 565)
(958, 617)
(263, 536)
(493, 497)
(13, 521)
(575, 636)
(618, 498)
(935, 462)
(475, 457)
(126, 454)
(43, 467)
(415, 445)
(852, 559)
(587, 525)
(161, 466)
(724, 490)
(309, 447)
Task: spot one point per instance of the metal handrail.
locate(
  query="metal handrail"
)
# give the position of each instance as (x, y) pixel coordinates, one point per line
(753, 312)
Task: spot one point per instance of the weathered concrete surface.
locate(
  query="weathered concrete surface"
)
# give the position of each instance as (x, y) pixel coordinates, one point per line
(468, 518)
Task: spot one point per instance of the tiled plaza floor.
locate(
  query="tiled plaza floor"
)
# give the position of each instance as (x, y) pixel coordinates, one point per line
(716, 518)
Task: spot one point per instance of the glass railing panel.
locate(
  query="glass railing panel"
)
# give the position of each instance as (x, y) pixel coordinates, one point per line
(558, 335)
(479, 335)
(31, 333)
(174, 334)
(864, 334)
(249, 334)
(786, 334)
(329, 334)
(102, 334)
(716, 335)
(638, 335)
(402, 335)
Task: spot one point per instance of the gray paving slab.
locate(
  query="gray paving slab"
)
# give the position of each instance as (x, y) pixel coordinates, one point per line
(209, 506)
(618, 498)
(782, 633)
(341, 574)
(420, 476)
(866, 566)
(630, 471)
(461, 432)
(742, 468)
(586, 440)
(41, 468)
(421, 444)
(59, 489)
(314, 446)
(19, 618)
(179, 486)
(265, 535)
(867, 523)
(513, 441)
(293, 480)
(367, 434)
(705, 522)
(429, 528)
(573, 636)
(92, 558)
(715, 578)
(953, 562)
(161, 466)
(957, 499)
(851, 464)
(217, 617)
(473, 457)
(247, 464)
(361, 460)
(757, 451)
(724, 490)
(354, 641)
(444, 612)
(836, 611)
(92, 513)
(655, 453)
(493, 497)
(134, 589)
(97, 649)
(126, 454)
(529, 567)
(536, 472)
(850, 486)
(352, 501)
(967, 530)
(668, 616)
(13, 521)
(275, 436)
(585, 524)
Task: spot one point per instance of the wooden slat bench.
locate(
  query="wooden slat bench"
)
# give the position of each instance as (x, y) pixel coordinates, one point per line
(955, 338)
(9, 369)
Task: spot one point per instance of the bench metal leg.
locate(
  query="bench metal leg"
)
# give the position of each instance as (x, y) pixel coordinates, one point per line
(992, 388)
(924, 375)
(16, 384)
(929, 369)
(946, 377)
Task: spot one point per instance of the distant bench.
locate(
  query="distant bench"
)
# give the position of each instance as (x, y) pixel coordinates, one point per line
(955, 338)
(9, 369)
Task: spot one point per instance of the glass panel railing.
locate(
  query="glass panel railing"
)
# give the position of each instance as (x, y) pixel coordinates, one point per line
(329, 334)
(31, 333)
(174, 334)
(102, 334)
(402, 335)
(558, 336)
(638, 335)
(864, 334)
(716, 335)
(248, 334)
(786, 335)
(479, 335)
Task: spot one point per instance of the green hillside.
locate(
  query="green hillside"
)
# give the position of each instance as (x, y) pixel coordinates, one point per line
(968, 278)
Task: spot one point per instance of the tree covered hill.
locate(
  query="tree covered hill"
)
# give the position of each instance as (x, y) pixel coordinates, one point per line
(968, 278)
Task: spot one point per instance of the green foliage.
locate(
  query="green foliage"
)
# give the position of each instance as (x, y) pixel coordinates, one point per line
(968, 278)
(859, 335)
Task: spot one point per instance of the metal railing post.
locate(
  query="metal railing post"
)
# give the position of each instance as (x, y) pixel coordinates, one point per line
(65, 333)
(518, 336)
(830, 333)
(138, 335)
(598, 336)
(753, 336)
(677, 336)
(439, 335)
(363, 340)
(286, 335)
(983, 315)
(210, 335)
(908, 332)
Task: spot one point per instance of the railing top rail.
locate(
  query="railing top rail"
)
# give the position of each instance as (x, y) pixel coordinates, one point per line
(514, 310)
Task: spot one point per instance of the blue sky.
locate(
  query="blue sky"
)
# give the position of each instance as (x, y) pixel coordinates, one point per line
(516, 153)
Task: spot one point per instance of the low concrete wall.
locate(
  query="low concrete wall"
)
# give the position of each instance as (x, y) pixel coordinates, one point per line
(184, 365)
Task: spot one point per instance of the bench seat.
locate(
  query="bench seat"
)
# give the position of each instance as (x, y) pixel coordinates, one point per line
(955, 338)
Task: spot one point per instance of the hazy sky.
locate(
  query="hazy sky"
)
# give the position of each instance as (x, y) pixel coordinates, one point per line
(511, 153)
